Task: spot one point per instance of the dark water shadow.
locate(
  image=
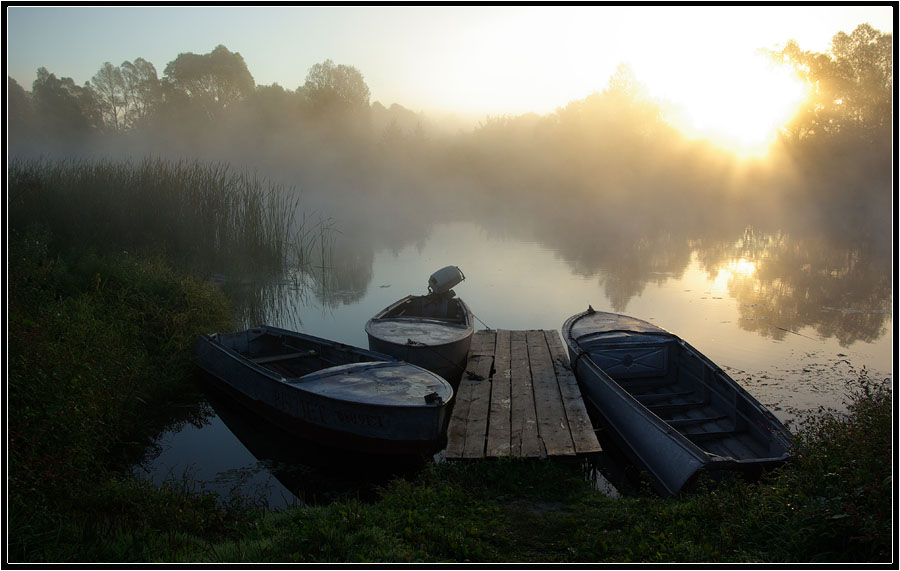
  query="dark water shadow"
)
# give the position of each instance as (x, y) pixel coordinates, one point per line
(315, 474)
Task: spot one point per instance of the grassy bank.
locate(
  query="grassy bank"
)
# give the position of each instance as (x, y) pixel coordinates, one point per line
(833, 504)
(97, 349)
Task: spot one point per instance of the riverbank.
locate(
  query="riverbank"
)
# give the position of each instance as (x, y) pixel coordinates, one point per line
(99, 344)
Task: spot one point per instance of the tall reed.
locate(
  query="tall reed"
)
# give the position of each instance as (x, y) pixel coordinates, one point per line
(197, 215)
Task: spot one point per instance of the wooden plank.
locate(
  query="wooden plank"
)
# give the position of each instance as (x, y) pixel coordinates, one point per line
(524, 438)
(518, 397)
(482, 343)
(456, 430)
(498, 424)
(551, 416)
(476, 426)
(282, 357)
(583, 436)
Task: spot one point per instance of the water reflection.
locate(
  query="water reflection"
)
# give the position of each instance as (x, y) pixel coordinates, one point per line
(783, 284)
(309, 473)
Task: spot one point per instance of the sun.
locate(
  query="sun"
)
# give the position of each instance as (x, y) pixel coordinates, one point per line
(738, 104)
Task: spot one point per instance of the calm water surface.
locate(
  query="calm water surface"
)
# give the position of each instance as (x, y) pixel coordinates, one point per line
(790, 319)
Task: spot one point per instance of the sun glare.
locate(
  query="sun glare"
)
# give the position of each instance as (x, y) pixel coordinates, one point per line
(740, 268)
(738, 105)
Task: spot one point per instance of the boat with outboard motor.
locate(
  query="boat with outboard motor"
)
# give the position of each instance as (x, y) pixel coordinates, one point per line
(433, 331)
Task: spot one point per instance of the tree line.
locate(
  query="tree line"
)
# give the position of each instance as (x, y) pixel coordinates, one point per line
(197, 88)
(852, 88)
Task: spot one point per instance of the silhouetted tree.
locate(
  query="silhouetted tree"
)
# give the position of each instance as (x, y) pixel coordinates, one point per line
(142, 90)
(64, 109)
(841, 139)
(272, 108)
(109, 87)
(852, 86)
(19, 114)
(214, 80)
(335, 90)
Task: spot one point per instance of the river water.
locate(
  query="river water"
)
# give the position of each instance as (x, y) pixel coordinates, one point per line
(791, 318)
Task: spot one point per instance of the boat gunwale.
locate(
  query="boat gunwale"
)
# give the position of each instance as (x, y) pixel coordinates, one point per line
(774, 427)
(292, 382)
(467, 314)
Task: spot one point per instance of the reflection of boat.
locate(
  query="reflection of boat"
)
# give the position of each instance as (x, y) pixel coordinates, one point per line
(328, 391)
(433, 331)
(673, 411)
(313, 474)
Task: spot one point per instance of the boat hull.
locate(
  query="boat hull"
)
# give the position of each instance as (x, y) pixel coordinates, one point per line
(673, 412)
(340, 420)
(433, 344)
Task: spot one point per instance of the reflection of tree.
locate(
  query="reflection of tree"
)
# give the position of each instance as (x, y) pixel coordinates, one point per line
(842, 292)
(346, 279)
(337, 274)
(650, 259)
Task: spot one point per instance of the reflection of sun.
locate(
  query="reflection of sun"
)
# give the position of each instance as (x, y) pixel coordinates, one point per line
(743, 267)
(739, 268)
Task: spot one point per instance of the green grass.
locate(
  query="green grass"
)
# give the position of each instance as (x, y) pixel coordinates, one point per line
(97, 346)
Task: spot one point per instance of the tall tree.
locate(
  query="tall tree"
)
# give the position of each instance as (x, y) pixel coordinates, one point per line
(331, 88)
(852, 86)
(109, 86)
(63, 108)
(142, 89)
(19, 113)
(865, 62)
(841, 139)
(215, 80)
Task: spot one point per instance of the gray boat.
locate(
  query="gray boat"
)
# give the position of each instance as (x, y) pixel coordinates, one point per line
(433, 331)
(674, 412)
(329, 392)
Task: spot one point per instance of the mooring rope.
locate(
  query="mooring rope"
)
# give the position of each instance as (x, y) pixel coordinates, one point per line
(486, 326)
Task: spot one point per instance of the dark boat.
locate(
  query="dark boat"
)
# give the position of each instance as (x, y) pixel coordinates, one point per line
(433, 331)
(329, 392)
(672, 410)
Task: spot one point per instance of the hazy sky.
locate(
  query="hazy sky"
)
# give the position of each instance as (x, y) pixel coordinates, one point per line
(470, 59)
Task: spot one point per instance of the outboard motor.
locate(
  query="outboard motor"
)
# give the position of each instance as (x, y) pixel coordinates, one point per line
(442, 280)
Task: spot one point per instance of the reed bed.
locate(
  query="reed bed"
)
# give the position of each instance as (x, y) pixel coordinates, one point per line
(201, 216)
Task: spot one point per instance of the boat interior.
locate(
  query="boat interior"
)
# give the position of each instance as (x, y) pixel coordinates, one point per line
(287, 355)
(433, 306)
(692, 395)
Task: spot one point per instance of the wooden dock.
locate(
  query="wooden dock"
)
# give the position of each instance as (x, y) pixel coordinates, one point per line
(518, 397)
